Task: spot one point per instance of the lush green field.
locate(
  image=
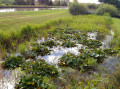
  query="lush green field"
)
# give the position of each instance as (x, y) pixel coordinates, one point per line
(14, 20)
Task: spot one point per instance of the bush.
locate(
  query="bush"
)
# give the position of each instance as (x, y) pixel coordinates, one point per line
(77, 9)
(106, 8)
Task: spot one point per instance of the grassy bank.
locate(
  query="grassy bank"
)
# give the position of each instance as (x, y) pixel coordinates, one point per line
(10, 21)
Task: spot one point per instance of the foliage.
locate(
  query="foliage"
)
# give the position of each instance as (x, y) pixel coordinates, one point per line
(65, 37)
(68, 43)
(92, 6)
(77, 9)
(70, 60)
(41, 50)
(31, 82)
(96, 54)
(30, 54)
(80, 37)
(106, 8)
(110, 51)
(6, 2)
(39, 67)
(50, 43)
(19, 2)
(69, 30)
(113, 2)
(12, 62)
(60, 2)
(92, 43)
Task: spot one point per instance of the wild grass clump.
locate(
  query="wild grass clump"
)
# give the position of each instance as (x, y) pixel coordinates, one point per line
(106, 8)
(77, 9)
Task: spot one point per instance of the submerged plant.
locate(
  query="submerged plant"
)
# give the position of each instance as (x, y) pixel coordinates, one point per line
(39, 67)
(12, 62)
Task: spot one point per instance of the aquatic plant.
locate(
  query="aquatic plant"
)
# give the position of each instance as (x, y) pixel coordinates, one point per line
(96, 54)
(12, 62)
(110, 51)
(70, 60)
(41, 50)
(69, 30)
(31, 82)
(30, 54)
(39, 67)
(65, 37)
(92, 43)
(50, 43)
(68, 44)
(77, 61)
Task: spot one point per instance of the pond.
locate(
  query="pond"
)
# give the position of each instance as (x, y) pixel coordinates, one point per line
(9, 77)
(26, 9)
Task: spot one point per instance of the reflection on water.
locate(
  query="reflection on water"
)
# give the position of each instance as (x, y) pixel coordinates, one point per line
(25, 9)
(9, 78)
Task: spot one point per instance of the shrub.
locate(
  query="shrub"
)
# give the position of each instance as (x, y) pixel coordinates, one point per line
(77, 9)
(93, 6)
(106, 8)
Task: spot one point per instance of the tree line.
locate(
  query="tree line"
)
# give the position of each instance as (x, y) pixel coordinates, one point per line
(34, 2)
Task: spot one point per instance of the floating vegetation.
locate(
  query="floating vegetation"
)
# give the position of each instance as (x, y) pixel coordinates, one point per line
(12, 62)
(110, 51)
(31, 82)
(41, 50)
(30, 54)
(65, 37)
(70, 60)
(80, 36)
(96, 54)
(76, 61)
(68, 44)
(92, 43)
(69, 30)
(89, 56)
(40, 68)
(50, 43)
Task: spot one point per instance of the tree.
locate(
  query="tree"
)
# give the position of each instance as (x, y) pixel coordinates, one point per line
(7, 2)
(19, 2)
(113, 2)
